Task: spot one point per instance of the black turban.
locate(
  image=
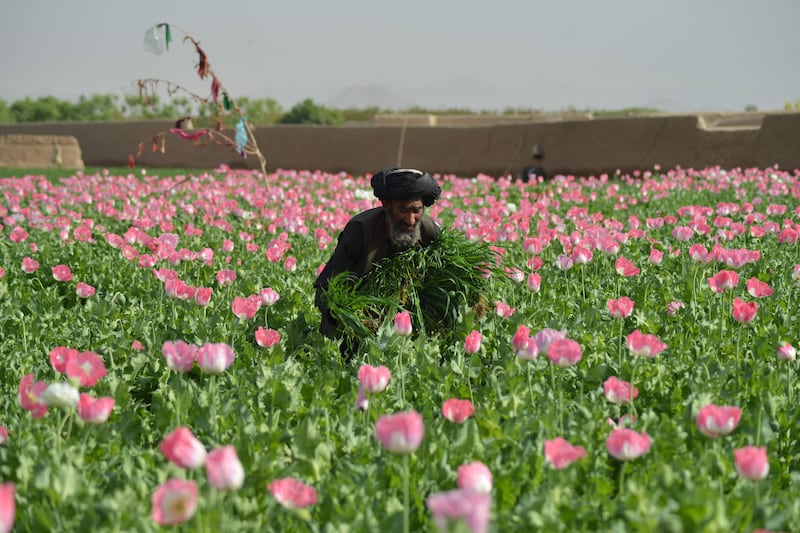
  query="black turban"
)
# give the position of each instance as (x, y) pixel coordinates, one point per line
(405, 184)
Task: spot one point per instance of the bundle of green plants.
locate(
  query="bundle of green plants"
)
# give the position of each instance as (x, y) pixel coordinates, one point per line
(436, 284)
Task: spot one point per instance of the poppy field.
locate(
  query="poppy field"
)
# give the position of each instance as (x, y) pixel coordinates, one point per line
(632, 366)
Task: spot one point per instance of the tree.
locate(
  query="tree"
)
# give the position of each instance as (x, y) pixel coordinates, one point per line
(308, 112)
(45, 109)
(5, 113)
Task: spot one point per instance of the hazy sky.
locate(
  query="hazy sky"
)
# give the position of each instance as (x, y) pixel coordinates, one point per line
(483, 54)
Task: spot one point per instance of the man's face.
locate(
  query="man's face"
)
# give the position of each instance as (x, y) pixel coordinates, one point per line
(404, 217)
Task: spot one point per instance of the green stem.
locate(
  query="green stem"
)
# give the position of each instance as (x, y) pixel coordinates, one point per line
(619, 348)
(561, 401)
(758, 427)
(402, 376)
(621, 479)
(530, 387)
(406, 513)
(633, 377)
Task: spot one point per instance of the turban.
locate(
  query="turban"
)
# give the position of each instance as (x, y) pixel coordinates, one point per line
(405, 184)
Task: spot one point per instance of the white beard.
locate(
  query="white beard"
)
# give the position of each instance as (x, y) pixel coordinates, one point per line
(401, 239)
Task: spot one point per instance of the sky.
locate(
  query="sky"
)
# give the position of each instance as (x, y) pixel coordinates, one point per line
(678, 55)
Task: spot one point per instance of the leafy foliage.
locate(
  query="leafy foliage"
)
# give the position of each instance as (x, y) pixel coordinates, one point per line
(309, 112)
(288, 409)
(436, 284)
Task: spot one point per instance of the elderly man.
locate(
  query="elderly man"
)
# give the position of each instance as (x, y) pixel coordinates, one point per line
(398, 225)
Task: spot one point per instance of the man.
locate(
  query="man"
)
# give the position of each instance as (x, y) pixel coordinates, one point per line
(398, 225)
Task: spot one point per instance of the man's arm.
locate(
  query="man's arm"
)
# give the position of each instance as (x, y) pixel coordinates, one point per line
(344, 259)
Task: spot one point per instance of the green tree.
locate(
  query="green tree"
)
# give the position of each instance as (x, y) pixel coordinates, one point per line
(153, 108)
(5, 113)
(98, 107)
(308, 112)
(44, 109)
(260, 111)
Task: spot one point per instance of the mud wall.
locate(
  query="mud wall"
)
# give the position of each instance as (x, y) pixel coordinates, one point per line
(581, 147)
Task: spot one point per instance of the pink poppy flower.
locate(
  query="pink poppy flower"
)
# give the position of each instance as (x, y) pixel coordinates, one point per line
(758, 289)
(786, 352)
(292, 493)
(644, 344)
(373, 379)
(227, 246)
(744, 312)
(564, 352)
(699, 254)
(400, 432)
(29, 266)
(84, 290)
(625, 267)
(620, 308)
(534, 282)
(183, 449)
(466, 506)
(608, 246)
(215, 358)
(656, 256)
(290, 264)
(474, 476)
(8, 507)
(717, 420)
(85, 369)
(244, 308)
(2, 273)
(534, 263)
(59, 356)
(61, 273)
(269, 296)
(94, 411)
(457, 411)
(674, 307)
(174, 502)
(626, 444)
(581, 255)
(544, 338)
(560, 454)
(787, 236)
(520, 342)
(402, 323)
(137, 346)
(751, 462)
(267, 337)
(724, 280)
(563, 262)
(30, 396)
(18, 234)
(473, 342)
(618, 391)
(503, 310)
(682, 233)
(202, 296)
(223, 469)
(3, 434)
(179, 355)
(226, 278)
(795, 273)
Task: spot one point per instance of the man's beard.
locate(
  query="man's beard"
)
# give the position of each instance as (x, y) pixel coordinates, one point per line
(402, 239)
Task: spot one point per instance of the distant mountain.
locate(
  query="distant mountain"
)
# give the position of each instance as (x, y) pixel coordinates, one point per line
(361, 96)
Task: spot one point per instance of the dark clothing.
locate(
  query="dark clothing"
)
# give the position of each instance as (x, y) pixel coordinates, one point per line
(363, 242)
